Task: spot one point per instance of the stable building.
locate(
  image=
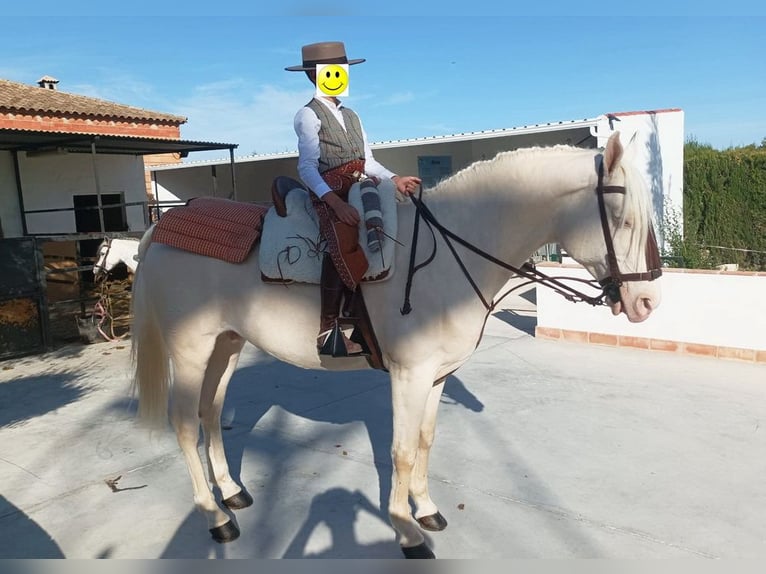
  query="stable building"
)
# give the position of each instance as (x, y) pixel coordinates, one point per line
(72, 171)
(63, 156)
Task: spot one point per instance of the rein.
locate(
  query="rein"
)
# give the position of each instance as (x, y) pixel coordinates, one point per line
(610, 286)
(102, 312)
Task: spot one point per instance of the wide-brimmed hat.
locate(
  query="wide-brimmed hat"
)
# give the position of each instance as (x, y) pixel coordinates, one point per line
(323, 53)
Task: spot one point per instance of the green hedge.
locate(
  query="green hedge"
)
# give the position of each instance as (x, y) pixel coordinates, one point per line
(724, 206)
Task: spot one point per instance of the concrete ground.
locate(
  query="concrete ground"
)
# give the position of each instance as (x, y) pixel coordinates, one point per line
(544, 450)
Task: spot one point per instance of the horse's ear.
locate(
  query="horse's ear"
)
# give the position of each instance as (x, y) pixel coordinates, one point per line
(613, 152)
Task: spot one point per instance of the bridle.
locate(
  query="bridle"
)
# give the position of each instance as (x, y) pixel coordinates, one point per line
(609, 286)
(612, 283)
(97, 267)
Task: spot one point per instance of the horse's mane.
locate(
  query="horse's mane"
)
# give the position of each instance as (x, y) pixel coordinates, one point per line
(467, 175)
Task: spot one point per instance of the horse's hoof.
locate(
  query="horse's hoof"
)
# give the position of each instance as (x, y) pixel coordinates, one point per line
(225, 533)
(420, 551)
(434, 522)
(239, 501)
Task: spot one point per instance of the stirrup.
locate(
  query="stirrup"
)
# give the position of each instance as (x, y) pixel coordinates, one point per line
(357, 337)
(334, 345)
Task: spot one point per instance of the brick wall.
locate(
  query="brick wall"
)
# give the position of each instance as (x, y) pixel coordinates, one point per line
(56, 122)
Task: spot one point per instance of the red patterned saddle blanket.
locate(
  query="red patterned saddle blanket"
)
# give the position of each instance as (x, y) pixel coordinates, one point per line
(213, 227)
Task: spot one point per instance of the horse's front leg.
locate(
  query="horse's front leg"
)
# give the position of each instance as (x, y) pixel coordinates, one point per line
(426, 512)
(410, 392)
(221, 367)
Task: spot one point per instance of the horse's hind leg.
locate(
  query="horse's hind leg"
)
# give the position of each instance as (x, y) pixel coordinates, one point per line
(189, 366)
(222, 364)
(426, 512)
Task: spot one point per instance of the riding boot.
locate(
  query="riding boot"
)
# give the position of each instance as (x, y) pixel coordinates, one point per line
(331, 339)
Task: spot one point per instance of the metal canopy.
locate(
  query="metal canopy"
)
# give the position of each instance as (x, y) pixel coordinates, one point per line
(44, 141)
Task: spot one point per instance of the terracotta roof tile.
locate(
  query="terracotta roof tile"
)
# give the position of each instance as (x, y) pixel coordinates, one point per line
(25, 98)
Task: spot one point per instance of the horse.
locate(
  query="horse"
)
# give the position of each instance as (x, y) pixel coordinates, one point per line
(112, 252)
(196, 313)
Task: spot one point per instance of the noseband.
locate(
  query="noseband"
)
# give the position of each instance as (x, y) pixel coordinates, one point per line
(609, 286)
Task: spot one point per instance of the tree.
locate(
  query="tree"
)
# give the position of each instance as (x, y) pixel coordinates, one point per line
(724, 208)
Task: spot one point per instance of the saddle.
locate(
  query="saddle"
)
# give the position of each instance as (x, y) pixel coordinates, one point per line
(293, 222)
(291, 247)
(212, 226)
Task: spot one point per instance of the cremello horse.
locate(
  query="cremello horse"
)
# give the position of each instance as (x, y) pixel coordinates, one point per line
(196, 313)
(114, 251)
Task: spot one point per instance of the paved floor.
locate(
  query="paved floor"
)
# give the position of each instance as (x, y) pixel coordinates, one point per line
(544, 450)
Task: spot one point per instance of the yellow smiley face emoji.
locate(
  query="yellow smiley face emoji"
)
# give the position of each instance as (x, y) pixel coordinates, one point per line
(332, 79)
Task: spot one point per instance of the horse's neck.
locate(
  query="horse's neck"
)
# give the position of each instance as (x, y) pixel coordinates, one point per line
(125, 250)
(506, 211)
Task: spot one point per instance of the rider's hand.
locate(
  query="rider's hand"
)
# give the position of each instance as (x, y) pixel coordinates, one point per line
(406, 184)
(345, 212)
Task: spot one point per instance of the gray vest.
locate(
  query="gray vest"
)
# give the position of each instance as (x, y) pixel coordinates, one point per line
(336, 145)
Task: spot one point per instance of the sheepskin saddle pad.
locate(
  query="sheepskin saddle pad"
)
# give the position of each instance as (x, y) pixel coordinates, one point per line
(214, 227)
(291, 246)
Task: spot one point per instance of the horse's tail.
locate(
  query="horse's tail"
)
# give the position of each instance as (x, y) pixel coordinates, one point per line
(151, 365)
(143, 245)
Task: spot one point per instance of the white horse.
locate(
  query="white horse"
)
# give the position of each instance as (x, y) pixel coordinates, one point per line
(196, 313)
(113, 251)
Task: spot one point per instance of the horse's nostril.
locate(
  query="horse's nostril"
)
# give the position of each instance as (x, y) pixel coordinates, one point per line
(647, 303)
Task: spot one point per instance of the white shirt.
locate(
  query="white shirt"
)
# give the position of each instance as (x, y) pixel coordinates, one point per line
(307, 126)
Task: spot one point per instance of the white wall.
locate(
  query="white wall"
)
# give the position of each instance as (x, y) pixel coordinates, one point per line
(659, 147)
(710, 308)
(404, 159)
(254, 175)
(50, 182)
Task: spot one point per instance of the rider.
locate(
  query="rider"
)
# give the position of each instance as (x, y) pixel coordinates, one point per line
(333, 153)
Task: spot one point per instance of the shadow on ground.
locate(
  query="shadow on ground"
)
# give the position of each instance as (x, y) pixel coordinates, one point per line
(338, 398)
(30, 540)
(28, 397)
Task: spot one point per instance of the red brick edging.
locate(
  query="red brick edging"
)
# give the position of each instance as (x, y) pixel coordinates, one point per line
(750, 355)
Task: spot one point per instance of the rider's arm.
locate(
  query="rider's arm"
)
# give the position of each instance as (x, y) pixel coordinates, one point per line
(307, 126)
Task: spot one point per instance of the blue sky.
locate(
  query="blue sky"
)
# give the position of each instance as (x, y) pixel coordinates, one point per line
(430, 71)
